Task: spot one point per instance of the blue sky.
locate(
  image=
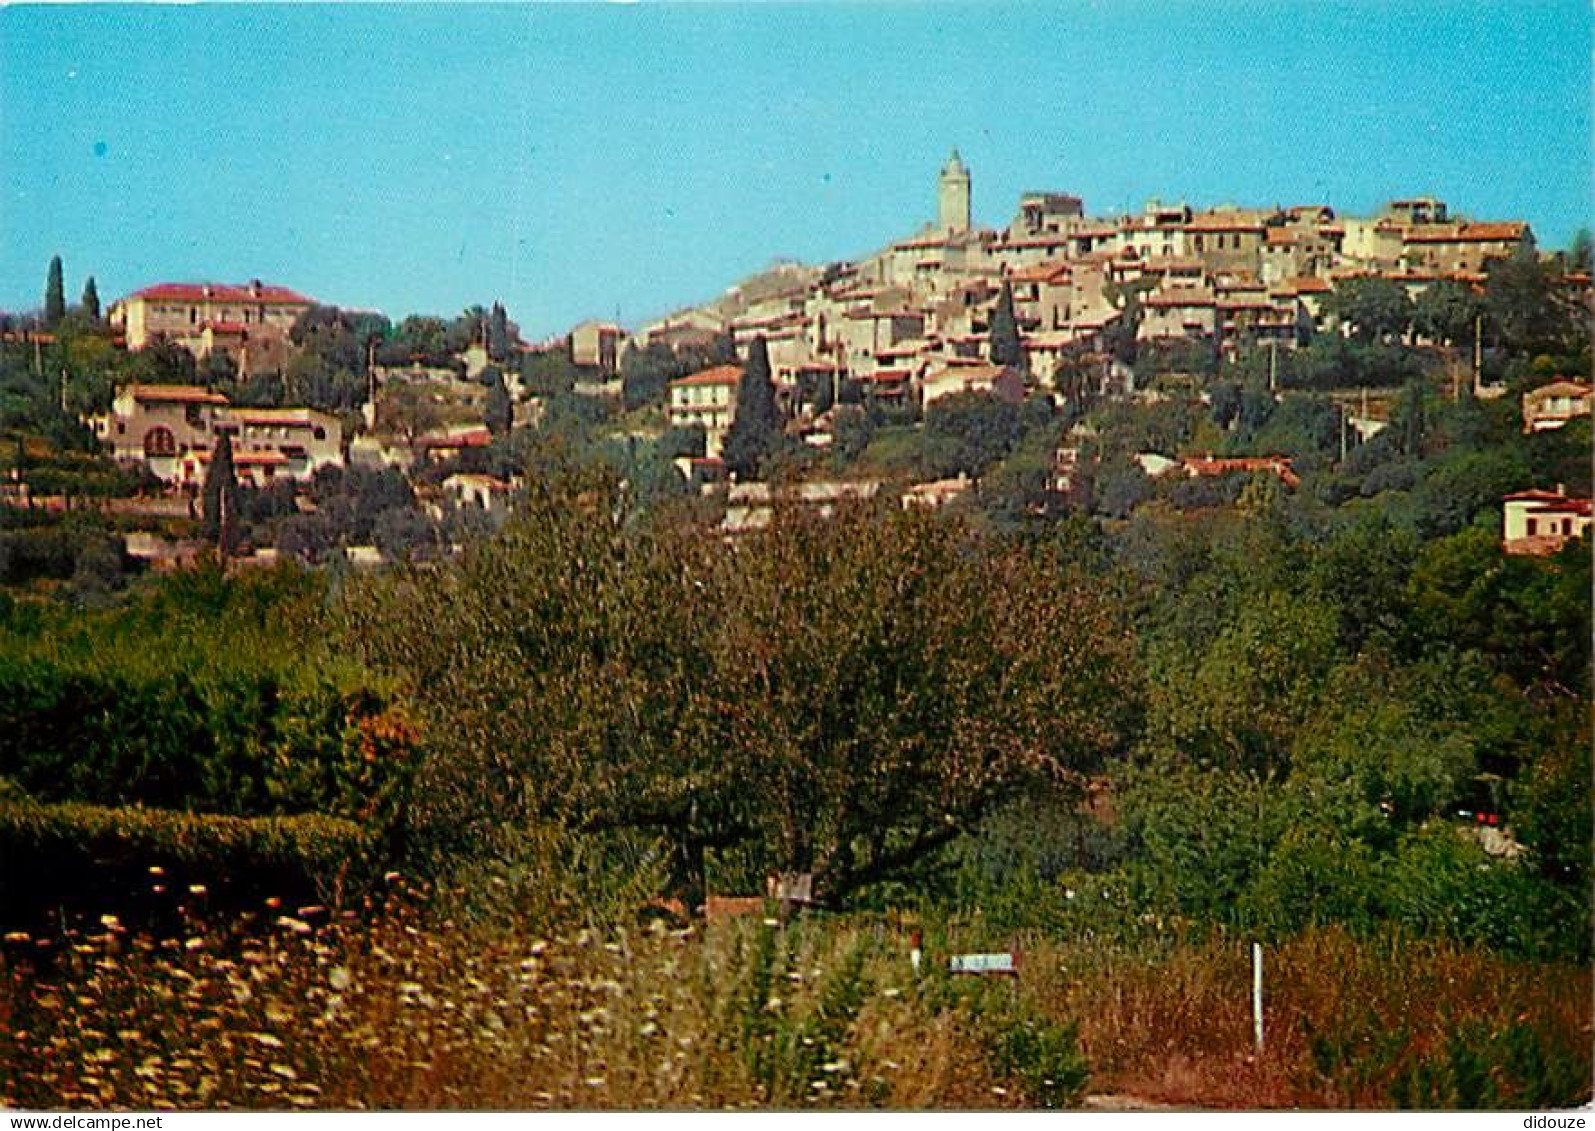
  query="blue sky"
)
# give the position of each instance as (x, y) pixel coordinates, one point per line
(581, 160)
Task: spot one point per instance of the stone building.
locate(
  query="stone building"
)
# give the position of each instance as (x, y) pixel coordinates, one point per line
(250, 322)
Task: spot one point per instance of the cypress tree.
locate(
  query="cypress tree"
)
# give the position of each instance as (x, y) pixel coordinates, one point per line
(498, 413)
(1006, 348)
(498, 333)
(91, 300)
(54, 294)
(756, 428)
(220, 499)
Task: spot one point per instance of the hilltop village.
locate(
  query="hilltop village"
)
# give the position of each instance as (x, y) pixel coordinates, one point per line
(957, 359)
(706, 713)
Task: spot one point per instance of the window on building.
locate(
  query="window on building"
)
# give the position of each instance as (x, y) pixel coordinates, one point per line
(320, 433)
(1533, 527)
(159, 441)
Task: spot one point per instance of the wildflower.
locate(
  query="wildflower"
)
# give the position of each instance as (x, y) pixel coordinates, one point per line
(270, 1040)
(284, 1071)
(338, 978)
(17, 937)
(196, 889)
(195, 943)
(157, 870)
(298, 926)
(110, 922)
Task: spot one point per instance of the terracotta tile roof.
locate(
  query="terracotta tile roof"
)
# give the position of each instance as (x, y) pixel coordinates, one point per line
(718, 375)
(1506, 232)
(296, 416)
(268, 458)
(1210, 466)
(1180, 296)
(174, 394)
(1540, 495)
(1563, 388)
(1042, 273)
(1225, 222)
(1306, 285)
(221, 292)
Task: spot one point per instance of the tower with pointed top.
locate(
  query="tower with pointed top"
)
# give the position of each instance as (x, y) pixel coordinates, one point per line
(952, 196)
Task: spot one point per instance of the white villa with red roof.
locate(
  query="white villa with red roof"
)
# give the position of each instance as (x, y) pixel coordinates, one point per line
(249, 322)
(1542, 522)
(173, 429)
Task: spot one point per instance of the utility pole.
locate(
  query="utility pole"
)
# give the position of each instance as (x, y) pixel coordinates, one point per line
(1273, 365)
(1478, 351)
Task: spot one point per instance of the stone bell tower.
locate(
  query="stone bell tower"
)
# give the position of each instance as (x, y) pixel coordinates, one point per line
(952, 196)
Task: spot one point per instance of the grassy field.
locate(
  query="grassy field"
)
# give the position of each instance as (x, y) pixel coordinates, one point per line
(303, 1008)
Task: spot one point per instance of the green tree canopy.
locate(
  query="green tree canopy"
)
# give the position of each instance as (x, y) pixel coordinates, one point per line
(1447, 312)
(851, 695)
(1376, 309)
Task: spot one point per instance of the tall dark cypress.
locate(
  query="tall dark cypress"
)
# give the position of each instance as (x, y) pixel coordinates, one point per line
(54, 294)
(91, 300)
(756, 428)
(220, 499)
(1006, 348)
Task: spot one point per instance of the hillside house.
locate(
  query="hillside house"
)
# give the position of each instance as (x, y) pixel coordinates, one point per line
(708, 400)
(1542, 522)
(159, 424)
(1552, 406)
(249, 322)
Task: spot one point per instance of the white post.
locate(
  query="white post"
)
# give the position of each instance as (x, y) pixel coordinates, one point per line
(1257, 996)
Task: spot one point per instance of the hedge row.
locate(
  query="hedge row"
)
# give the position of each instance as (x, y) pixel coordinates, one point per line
(241, 742)
(77, 862)
(51, 552)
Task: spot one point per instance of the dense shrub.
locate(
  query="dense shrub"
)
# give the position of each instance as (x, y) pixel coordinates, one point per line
(74, 861)
(243, 743)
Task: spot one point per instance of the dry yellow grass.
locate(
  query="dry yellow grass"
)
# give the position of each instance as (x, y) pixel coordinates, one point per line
(405, 1011)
